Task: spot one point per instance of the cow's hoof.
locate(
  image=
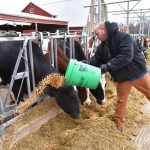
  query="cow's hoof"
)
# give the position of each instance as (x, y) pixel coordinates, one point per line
(87, 102)
(74, 116)
(101, 102)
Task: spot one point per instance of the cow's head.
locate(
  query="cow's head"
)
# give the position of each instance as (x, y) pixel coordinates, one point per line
(67, 99)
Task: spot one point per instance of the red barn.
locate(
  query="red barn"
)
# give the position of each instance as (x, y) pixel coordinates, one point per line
(72, 11)
(34, 9)
(25, 22)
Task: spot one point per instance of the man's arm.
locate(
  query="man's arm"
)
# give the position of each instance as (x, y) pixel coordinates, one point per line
(125, 55)
(97, 60)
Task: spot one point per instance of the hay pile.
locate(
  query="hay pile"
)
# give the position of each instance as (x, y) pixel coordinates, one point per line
(95, 130)
(55, 80)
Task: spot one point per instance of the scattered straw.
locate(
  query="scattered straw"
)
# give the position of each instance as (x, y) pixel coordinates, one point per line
(95, 130)
(55, 80)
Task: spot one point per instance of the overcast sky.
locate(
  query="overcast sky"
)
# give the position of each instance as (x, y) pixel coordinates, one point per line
(20, 4)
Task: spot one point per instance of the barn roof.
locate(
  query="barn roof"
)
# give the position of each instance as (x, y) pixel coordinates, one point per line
(71, 10)
(30, 18)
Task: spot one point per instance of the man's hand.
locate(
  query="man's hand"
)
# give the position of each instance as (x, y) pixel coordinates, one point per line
(85, 62)
(104, 68)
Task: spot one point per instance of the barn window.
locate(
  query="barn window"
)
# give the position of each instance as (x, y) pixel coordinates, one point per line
(31, 10)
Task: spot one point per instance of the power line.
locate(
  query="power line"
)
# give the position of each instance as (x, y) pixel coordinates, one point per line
(56, 2)
(117, 2)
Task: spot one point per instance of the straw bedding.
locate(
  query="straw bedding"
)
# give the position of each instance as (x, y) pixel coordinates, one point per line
(95, 130)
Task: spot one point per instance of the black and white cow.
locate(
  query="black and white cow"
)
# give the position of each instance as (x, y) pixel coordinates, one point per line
(66, 96)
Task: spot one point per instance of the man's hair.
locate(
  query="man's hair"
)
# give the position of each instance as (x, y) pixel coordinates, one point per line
(100, 25)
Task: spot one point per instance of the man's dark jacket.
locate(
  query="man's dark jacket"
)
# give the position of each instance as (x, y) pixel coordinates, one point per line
(120, 53)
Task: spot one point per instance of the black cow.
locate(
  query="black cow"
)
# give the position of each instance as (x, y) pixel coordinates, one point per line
(66, 96)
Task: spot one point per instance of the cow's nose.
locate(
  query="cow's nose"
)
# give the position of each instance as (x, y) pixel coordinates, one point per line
(74, 116)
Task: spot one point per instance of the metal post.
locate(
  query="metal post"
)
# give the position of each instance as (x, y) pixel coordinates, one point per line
(70, 46)
(1, 106)
(31, 63)
(52, 52)
(27, 70)
(64, 47)
(99, 10)
(55, 54)
(148, 30)
(73, 48)
(64, 44)
(13, 76)
(85, 46)
(36, 27)
(143, 26)
(128, 11)
(140, 26)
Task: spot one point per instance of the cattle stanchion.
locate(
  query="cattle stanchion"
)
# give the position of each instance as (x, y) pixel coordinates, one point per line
(14, 75)
(8, 110)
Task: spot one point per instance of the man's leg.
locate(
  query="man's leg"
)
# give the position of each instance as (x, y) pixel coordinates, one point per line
(123, 90)
(143, 85)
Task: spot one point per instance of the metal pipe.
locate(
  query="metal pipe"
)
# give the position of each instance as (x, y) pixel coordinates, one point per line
(31, 63)
(128, 11)
(112, 3)
(99, 10)
(73, 48)
(14, 74)
(70, 46)
(64, 47)
(20, 87)
(1, 106)
(52, 52)
(148, 30)
(36, 27)
(27, 70)
(143, 26)
(140, 26)
(85, 45)
(55, 54)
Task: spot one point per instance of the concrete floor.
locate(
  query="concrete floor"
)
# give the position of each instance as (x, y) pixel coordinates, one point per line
(143, 138)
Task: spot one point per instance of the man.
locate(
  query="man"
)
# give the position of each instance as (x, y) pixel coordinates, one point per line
(119, 55)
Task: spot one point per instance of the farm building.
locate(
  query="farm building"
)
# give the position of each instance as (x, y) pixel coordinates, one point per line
(80, 19)
(24, 22)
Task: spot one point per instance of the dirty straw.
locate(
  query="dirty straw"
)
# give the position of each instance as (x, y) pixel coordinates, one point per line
(55, 80)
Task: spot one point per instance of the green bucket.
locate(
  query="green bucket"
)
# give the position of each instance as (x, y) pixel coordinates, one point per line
(82, 75)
